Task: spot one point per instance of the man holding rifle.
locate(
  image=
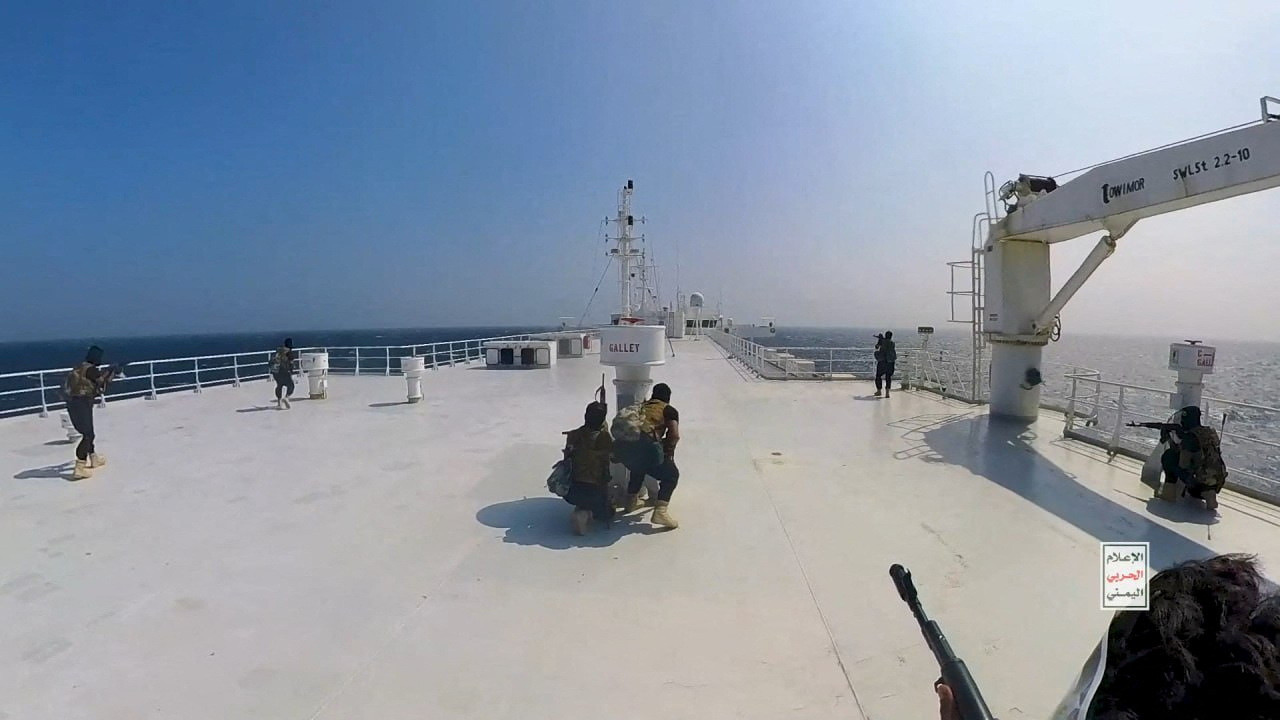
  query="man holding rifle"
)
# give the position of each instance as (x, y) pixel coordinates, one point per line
(1208, 648)
(1194, 458)
(82, 387)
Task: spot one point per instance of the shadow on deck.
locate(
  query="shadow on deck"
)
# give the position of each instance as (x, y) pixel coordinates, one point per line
(1003, 454)
(60, 471)
(544, 521)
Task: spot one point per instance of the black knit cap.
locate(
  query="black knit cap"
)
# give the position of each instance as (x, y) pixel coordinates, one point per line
(595, 415)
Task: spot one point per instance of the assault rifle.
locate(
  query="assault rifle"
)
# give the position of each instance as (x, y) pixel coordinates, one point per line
(954, 672)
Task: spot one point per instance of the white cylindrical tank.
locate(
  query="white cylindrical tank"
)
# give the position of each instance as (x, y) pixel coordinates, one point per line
(1192, 361)
(639, 345)
(413, 368)
(316, 367)
(632, 350)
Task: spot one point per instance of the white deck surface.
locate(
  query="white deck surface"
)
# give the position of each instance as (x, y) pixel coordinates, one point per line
(362, 558)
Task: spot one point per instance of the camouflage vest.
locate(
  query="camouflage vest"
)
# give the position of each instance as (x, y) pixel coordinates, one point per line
(635, 435)
(280, 363)
(591, 449)
(1207, 465)
(78, 384)
(642, 421)
(654, 417)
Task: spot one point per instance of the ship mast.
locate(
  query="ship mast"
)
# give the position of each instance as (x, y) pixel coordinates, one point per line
(629, 258)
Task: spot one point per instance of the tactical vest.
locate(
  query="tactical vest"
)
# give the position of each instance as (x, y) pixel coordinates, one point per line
(280, 364)
(1207, 466)
(635, 435)
(78, 383)
(590, 455)
(653, 412)
(642, 421)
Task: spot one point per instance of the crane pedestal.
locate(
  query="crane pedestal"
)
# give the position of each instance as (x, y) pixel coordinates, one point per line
(1018, 287)
(1013, 395)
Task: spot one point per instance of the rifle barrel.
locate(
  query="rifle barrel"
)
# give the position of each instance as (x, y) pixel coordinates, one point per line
(954, 673)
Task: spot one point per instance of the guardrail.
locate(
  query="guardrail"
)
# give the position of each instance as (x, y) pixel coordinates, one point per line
(196, 373)
(385, 359)
(1250, 433)
(946, 373)
(950, 373)
(810, 363)
(1095, 409)
(939, 370)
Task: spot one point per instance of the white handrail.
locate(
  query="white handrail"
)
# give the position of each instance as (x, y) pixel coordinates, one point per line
(443, 353)
(1252, 453)
(1158, 391)
(765, 362)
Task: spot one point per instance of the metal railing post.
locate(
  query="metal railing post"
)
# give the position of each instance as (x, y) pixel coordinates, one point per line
(452, 359)
(1071, 408)
(388, 361)
(197, 362)
(435, 356)
(44, 407)
(1115, 433)
(235, 365)
(357, 362)
(1097, 396)
(151, 378)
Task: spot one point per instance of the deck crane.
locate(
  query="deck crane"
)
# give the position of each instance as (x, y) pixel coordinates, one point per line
(1019, 312)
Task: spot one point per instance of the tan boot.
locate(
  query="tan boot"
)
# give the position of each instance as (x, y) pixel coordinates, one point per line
(580, 520)
(634, 503)
(662, 517)
(97, 461)
(82, 470)
(1168, 491)
(1210, 499)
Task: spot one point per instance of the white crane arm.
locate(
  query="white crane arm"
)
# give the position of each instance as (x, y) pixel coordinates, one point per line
(1112, 197)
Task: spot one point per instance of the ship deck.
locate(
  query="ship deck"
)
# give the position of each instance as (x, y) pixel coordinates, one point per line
(359, 557)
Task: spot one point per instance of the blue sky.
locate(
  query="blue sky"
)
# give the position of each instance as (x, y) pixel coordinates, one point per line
(256, 166)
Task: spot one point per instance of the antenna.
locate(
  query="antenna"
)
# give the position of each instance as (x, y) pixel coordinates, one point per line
(677, 269)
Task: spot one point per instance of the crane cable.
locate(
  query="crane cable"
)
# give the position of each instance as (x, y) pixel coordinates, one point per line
(1162, 147)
